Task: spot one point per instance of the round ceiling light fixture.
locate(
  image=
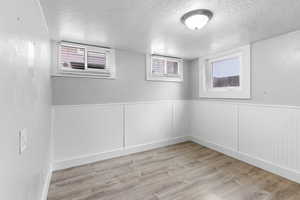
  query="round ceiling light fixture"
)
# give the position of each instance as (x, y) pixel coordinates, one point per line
(196, 19)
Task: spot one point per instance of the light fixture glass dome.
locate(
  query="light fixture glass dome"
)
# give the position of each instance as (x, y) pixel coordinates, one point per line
(196, 19)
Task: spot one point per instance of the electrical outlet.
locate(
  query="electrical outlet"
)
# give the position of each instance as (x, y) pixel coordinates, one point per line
(22, 140)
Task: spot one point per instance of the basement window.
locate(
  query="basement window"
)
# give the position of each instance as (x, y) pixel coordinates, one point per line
(226, 74)
(161, 68)
(81, 60)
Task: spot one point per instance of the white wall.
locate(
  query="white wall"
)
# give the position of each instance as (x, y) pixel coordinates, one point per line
(215, 122)
(271, 134)
(265, 132)
(25, 99)
(264, 135)
(88, 133)
(92, 122)
(87, 130)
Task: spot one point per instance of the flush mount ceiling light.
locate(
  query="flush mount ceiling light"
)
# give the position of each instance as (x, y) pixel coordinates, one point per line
(196, 19)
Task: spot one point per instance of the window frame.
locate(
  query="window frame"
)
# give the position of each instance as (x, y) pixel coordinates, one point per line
(108, 73)
(165, 76)
(206, 89)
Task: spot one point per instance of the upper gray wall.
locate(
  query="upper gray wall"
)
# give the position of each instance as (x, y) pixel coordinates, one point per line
(275, 64)
(130, 85)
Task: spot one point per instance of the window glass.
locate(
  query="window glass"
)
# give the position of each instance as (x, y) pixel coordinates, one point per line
(226, 73)
(172, 67)
(72, 57)
(96, 60)
(158, 66)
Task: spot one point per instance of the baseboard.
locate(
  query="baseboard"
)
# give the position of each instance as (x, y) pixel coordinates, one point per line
(47, 184)
(73, 162)
(268, 166)
(154, 145)
(86, 159)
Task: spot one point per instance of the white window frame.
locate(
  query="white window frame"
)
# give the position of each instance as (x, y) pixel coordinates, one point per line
(164, 77)
(206, 89)
(109, 73)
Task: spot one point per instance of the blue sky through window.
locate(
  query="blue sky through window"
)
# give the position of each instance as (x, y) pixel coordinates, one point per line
(226, 67)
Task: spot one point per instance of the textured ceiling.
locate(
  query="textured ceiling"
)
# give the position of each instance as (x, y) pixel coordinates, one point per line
(153, 26)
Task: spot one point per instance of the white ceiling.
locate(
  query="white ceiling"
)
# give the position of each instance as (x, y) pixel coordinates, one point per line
(153, 26)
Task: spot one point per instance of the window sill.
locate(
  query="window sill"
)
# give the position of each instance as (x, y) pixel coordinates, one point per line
(92, 76)
(165, 79)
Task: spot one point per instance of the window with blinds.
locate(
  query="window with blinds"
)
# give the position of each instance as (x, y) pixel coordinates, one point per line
(158, 66)
(72, 57)
(86, 60)
(162, 68)
(96, 60)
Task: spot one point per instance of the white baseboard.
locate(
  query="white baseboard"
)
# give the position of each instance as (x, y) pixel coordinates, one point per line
(268, 166)
(47, 184)
(64, 164)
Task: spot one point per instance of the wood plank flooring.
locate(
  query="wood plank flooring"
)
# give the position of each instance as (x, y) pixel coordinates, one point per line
(185, 171)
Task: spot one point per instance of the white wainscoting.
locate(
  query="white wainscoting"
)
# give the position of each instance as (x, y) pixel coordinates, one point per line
(148, 123)
(269, 133)
(86, 130)
(89, 133)
(215, 123)
(263, 135)
(266, 136)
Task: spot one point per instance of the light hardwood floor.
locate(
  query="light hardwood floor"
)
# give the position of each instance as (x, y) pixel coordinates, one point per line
(183, 171)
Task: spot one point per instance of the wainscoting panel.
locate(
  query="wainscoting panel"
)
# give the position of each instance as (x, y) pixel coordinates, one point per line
(266, 136)
(296, 115)
(268, 133)
(215, 123)
(148, 123)
(86, 129)
(89, 133)
(181, 119)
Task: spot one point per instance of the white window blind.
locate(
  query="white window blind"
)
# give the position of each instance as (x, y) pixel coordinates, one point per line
(162, 68)
(158, 66)
(96, 60)
(72, 57)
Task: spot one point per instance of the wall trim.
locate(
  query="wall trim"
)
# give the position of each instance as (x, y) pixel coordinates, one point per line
(73, 162)
(260, 163)
(244, 103)
(205, 100)
(47, 184)
(122, 103)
